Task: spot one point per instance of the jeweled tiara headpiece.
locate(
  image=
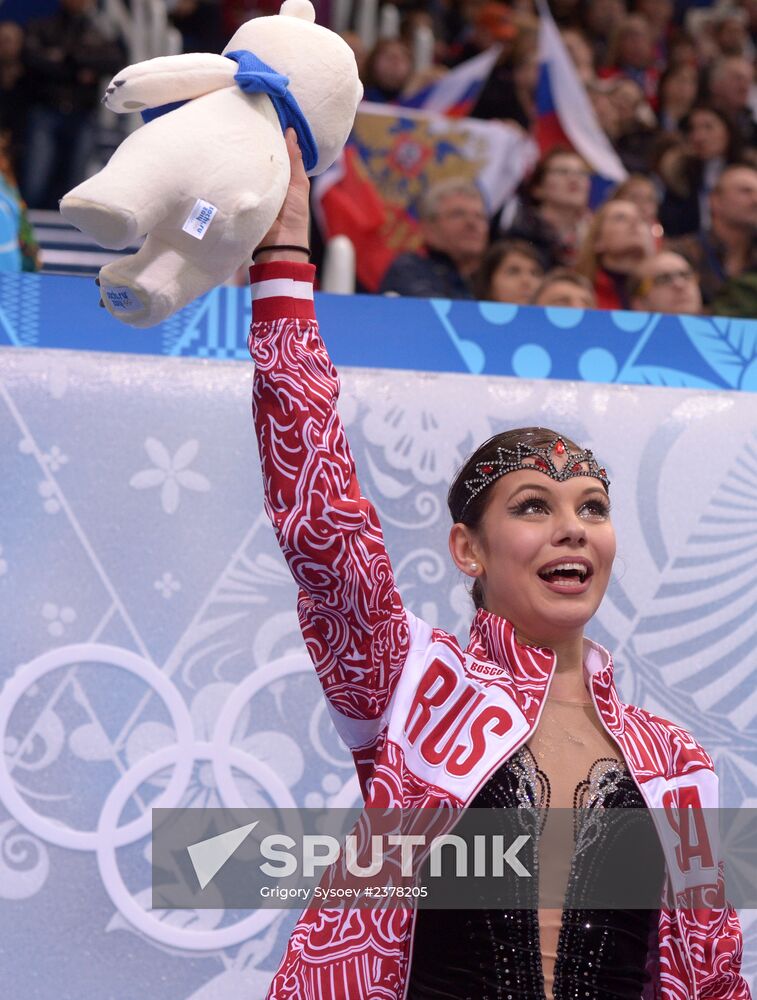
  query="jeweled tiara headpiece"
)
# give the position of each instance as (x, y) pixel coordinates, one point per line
(527, 456)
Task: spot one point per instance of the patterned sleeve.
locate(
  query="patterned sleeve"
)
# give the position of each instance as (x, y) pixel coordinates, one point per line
(715, 946)
(718, 950)
(350, 611)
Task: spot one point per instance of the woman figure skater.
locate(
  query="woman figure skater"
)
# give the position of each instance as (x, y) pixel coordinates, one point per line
(526, 714)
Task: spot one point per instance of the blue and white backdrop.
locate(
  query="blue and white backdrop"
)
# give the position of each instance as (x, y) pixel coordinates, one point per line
(141, 589)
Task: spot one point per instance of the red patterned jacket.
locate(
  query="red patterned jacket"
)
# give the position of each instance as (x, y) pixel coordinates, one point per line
(399, 691)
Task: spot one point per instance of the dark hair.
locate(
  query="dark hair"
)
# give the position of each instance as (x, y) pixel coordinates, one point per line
(670, 71)
(536, 178)
(735, 143)
(482, 280)
(457, 495)
(369, 69)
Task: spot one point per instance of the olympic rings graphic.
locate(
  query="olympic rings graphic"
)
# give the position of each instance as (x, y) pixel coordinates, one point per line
(180, 756)
(143, 920)
(64, 656)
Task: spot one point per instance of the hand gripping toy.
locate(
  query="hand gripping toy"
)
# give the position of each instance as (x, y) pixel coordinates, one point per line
(204, 178)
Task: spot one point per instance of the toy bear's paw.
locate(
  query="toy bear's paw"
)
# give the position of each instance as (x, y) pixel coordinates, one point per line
(120, 95)
(108, 100)
(168, 79)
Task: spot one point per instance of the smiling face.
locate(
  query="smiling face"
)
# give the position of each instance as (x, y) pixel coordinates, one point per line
(543, 551)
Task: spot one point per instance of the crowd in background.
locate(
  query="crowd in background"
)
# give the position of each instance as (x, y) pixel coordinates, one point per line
(672, 85)
(673, 88)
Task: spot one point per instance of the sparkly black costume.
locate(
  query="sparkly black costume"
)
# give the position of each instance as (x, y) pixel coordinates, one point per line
(495, 954)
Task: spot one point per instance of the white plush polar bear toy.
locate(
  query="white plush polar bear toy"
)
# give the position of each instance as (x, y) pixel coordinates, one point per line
(205, 181)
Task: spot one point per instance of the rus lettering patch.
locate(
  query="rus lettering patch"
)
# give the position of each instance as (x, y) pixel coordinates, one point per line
(199, 219)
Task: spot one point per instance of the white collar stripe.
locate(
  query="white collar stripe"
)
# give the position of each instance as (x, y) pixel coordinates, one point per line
(286, 288)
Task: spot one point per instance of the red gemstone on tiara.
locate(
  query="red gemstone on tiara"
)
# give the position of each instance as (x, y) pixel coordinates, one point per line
(576, 467)
(541, 464)
(559, 448)
(487, 469)
(603, 472)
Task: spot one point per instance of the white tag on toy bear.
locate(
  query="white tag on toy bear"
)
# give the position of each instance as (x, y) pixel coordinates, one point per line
(123, 299)
(199, 219)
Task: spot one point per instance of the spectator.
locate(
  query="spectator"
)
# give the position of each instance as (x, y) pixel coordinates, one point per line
(66, 54)
(730, 33)
(236, 12)
(14, 88)
(659, 15)
(677, 92)
(712, 143)
(200, 24)
(634, 131)
(631, 54)
(510, 272)
(555, 212)
(563, 287)
(490, 23)
(737, 297)
(18, 247)
(750, 7)
(510, 92)
(388, 70)
(565, 12)
(355, 42)
(728, 249)
(599, 19)
(682, 48)
(729, 81)
(580, 51)
(600, 95)
(617, 242)
(642, 191)
(454, 227)
(665, 283)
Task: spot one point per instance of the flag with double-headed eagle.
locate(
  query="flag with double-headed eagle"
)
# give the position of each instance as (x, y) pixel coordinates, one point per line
(373, 192)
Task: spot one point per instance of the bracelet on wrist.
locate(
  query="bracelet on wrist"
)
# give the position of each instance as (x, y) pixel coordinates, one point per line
(280, 246)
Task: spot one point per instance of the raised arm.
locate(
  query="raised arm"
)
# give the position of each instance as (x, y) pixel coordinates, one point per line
(350, 611)
(167, 79)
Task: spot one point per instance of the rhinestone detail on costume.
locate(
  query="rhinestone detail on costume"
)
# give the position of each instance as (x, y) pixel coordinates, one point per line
(495, 954)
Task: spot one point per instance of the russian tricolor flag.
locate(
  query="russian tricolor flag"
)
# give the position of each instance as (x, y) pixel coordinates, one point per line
(565, 115)
(457, 91)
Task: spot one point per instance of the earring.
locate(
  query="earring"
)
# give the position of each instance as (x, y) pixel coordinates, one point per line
(474, 566)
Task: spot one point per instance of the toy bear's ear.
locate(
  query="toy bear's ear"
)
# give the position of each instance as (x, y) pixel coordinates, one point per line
(298, 8)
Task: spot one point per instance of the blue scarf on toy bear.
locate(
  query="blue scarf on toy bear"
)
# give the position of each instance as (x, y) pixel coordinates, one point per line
(256, 77)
